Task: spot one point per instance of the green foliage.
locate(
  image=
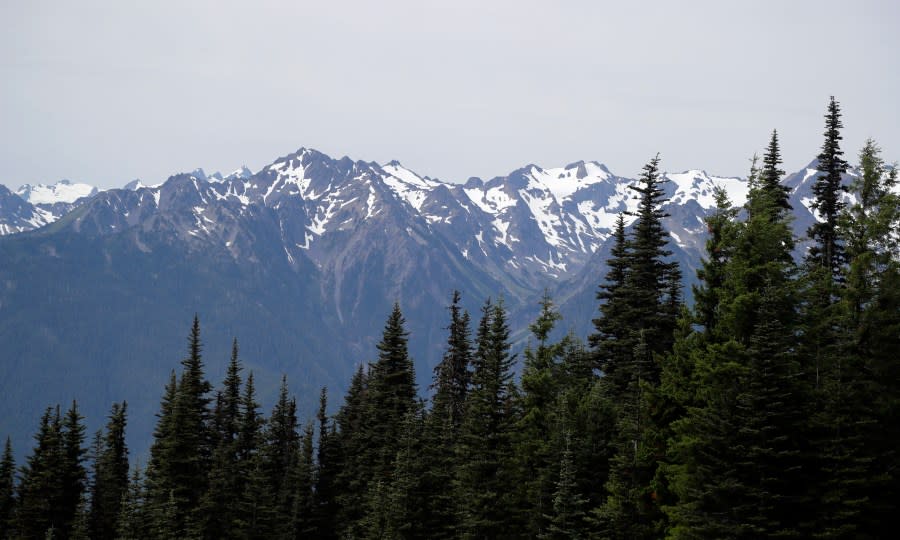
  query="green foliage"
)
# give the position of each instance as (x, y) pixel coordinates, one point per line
(110, 477)
(484, 476)
(771, 408)
(7, 490)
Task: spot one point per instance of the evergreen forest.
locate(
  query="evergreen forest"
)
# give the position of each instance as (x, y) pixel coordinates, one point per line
(770, 408)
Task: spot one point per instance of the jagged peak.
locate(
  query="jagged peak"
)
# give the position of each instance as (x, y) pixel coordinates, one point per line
(474, 182)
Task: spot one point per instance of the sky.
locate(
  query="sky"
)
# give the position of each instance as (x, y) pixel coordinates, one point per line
(106, 92)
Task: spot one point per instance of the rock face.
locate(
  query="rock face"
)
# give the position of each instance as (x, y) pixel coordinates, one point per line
(301, 262)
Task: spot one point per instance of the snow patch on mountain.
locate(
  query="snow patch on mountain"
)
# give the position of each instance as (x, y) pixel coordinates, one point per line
(63, 191)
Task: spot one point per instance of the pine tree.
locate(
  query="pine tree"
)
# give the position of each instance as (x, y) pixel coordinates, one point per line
(650, 275)
(769, 183)
(828, 251)
(327, 463)
(131, 523)
(217, 515)
(7, 490)
(160, 478)
(404, 512)
(441, 432)
(253, 497)
(871, 414)
(567, 519)
(191, 434)
(178, 471)
(452, 374)
(644, 290)
(537, 433)
(735, 461)
(110, 476)
(484, 479)
(280, 457)
(39, 490)
(612, 341)
(630, 510)
(72, 473)
(352, 483)
(392, 393)
(302, 479)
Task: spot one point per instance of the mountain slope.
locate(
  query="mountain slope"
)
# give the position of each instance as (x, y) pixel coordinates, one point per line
(301, 262)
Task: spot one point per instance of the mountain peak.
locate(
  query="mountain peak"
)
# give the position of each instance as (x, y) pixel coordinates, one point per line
(64, 191)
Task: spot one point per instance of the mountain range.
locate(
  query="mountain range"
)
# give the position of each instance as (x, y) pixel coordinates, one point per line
(301, 262)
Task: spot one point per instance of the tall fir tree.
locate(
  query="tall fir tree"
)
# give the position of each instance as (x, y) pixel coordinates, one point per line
(827, 250)
(871, 415)
(537, 434)
(217, 514)
(191, 441)
(131, 522)
(352, 483)
(73, 475)
(612, 342)
(7, 490)
(302, 479)
(327, 464)
(567, 516)
(110, 482)
(484, 480)
(768, 183)
(280, 457)
(159, 476)
(736, 463)
(452, 378)
(39, 491)
(636, 329)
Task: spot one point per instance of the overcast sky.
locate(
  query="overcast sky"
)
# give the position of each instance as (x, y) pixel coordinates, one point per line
(105, 92)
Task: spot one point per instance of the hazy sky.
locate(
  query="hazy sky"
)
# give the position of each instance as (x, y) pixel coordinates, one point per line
(105, 92)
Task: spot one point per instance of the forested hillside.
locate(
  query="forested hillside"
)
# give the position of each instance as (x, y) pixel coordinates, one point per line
(767, 408)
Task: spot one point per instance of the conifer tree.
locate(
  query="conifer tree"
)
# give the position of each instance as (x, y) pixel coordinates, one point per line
(302, 479)
(452, 374)
(650, 275)
(392, 393)
(828, 251)
(110, 476)
(178, 470)
(405, 511)
(352, 445)
(484, 477)
(7, 490)
(737, 467)
(327, 463)
(869, 419)
(280, 457)
(72, 474)
(441, 432)
(537, 433)
(768, 183)
(612, 341)
(567, 519)
(217, 514)
(131, 523)
(159, 475)
(253, 502)
(39, 490)
(630, 510)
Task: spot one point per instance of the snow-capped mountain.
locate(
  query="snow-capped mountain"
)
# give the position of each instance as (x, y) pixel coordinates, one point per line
(17, 215)
(301, 261)
(31, 207)
(63, 191)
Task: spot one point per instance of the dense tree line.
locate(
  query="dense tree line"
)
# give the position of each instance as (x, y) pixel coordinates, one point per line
(767, 409)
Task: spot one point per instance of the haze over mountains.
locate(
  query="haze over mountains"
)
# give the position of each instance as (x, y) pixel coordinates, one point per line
(301, 261)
